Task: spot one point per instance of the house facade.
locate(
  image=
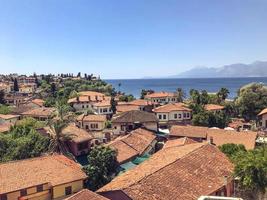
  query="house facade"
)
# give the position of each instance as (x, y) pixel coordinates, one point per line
(263, 118)
(91, 122)
(173, 113)
(131, 120)
(86, 100)
(43, 178)
(162, 97)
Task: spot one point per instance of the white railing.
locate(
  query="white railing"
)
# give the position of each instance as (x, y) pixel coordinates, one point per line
(218, 198)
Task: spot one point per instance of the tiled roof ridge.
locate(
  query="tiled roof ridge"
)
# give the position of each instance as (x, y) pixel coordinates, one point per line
(28, 159)
(150, 174)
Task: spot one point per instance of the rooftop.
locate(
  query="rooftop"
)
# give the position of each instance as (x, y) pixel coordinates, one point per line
(92, 118)
(178, 142)
(46, 112)
(213, 107)
(86, 195)
(55, 169)
(160, 95)
(184, 172)
(134, 116)
(172, 107)
(264, 111)
(8, 116)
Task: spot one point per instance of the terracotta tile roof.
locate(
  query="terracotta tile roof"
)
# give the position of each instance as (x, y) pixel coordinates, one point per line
(140, 102)
(184, 172)
(125, 108)
(220, 136)
(189, 131)
(172, 107)
(38, 102)
(133, 144)
(160, 95)
(4, 127)
(80, 134)
(91, 93)
(135, 116)
(264, 111)
(102, 104)
(178, 142)
(39, 112)
(56, 169)
(212, 107)
(8, 116)
(86, 195)
(92, 118)
(125, 152)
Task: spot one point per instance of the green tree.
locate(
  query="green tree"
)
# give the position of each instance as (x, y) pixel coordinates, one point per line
(145, 92)
(180, 94)
(4, 110)
(251, 99)
(30, 122)
(16, 85)
(251, 169)
(222, 94)
(113, 104)
(102, 166)
(22, 142)
(127, 98)
(232, 150)
(195, 96)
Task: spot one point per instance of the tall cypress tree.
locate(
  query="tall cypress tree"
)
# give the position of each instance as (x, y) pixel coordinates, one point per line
(16, 85)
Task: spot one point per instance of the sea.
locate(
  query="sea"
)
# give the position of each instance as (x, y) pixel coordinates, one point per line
(212, 85)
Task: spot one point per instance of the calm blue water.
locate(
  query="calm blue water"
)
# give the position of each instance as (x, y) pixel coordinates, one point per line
(134, 86)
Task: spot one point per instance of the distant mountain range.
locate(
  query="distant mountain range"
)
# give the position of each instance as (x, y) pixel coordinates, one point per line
(256, 69)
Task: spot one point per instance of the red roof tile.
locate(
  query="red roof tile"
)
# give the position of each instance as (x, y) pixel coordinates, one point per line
(86, 195)
(172, 107)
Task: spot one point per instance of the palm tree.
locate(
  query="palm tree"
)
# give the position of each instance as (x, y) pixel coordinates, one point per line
(180, 94)
(59, 138)
(222, 94)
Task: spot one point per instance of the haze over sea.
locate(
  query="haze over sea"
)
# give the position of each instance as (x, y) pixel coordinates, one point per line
(134, 86)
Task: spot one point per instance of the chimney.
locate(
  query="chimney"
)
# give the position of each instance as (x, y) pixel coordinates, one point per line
(211, 140)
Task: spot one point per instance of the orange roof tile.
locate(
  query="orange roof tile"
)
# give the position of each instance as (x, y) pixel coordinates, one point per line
(39, 112)
(92, 118)
(134, 116)
(220, 136)
(264, 111)
(86, 195)
(160, 95)
(56, 169)
(172, 107)
(212, 107)
(189, 131)
(184, 172)
(5, 127)
(8, 116)
(178, 142)
(102, 104)
(125, 107)
(133, 144)
(39, 102)
(79, 134)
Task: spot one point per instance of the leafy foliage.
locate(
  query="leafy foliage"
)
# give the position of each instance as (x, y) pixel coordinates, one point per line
(252, 98)
(30, 122)
(102, 166)
(126, 98)
(232, 150)
(5, 110)
(22, 142)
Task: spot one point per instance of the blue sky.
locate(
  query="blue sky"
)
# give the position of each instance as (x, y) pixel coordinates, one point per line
(129, 38)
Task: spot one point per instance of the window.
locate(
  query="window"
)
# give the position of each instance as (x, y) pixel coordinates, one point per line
(23, 192)
(175, 116)
(164, 116)
(188, 115)
(160, 117)
(184, 115)
(94, 125)
(180, 116)
(68, 190)
(3, 197)
(105, 110)
(82, 106)
(86, 127)
(40, 188)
